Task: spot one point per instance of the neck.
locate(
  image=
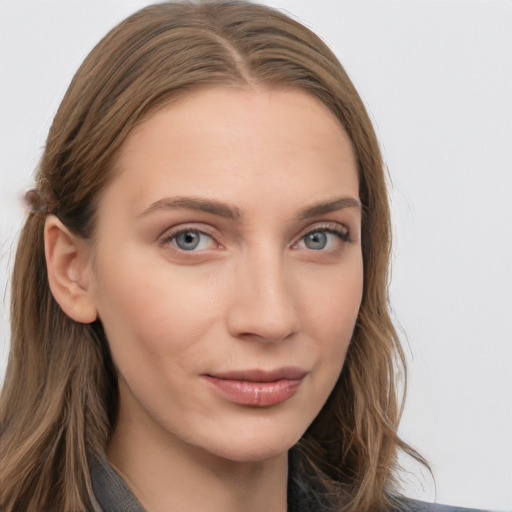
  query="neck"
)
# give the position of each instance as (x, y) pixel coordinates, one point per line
(170, 475)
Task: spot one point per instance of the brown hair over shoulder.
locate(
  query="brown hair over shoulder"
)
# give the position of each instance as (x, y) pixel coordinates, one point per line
(59, 401)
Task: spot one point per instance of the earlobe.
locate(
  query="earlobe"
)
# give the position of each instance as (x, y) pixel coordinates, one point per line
(69, 272)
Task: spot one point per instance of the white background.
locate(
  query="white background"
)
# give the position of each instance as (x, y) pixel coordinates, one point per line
(437, 79)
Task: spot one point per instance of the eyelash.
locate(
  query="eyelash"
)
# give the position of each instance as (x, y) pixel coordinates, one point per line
(342, 234)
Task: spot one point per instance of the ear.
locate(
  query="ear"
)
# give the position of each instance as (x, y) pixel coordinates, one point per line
(69, 271)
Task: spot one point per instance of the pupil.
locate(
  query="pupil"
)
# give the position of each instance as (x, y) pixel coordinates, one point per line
(187, 241)
(316, 241)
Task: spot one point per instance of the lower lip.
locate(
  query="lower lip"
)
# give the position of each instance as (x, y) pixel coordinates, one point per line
(260, 394)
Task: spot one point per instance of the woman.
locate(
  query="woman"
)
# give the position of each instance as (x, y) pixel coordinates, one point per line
(199, 315)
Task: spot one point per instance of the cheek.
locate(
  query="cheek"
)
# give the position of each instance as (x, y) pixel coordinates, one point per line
(332, 313)
(333, 305)
(153, 315)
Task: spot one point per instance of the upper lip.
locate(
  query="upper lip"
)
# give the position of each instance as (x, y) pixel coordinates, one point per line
(259, 375)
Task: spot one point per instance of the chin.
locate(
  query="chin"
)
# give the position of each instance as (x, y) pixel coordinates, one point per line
(253, 454)
(258, 446)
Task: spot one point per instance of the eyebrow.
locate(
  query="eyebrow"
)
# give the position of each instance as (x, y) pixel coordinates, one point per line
(318, 209)
(197, 204)
(234, 213)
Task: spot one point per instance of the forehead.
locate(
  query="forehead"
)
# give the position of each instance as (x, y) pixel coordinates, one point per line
(229, 141)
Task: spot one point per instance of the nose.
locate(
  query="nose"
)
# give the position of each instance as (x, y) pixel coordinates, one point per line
(263, 305)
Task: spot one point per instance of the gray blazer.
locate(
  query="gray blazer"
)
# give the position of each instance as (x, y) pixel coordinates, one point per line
(113, 495)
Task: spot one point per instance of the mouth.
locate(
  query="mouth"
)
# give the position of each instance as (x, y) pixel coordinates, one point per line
(258, 388)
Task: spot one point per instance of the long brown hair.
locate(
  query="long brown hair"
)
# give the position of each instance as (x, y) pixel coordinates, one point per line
(60, 396)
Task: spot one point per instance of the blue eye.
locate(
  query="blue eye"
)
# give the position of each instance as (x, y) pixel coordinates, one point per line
(323, 239)
(191, 240)
(316, 240)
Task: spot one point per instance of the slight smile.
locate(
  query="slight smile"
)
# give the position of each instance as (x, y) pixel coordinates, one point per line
(258, 387)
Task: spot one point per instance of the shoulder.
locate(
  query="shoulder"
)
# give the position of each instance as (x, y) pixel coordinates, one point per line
(409, 505)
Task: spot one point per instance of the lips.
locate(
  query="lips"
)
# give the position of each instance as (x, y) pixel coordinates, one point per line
(260, 388)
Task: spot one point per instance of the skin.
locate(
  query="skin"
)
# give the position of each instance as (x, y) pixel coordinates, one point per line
(255, 293)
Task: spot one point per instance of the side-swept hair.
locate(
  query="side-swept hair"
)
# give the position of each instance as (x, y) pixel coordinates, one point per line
(60, 397)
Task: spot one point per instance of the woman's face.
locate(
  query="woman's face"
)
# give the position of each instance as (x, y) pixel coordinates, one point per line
(227, 269)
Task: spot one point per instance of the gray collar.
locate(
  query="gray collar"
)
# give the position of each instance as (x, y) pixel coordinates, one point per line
(111, 492)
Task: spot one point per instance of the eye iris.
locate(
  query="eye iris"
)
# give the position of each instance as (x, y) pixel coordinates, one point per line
(188, 241)
(316, 240)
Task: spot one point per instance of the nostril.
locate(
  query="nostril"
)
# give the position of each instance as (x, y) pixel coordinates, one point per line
(260, 329)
